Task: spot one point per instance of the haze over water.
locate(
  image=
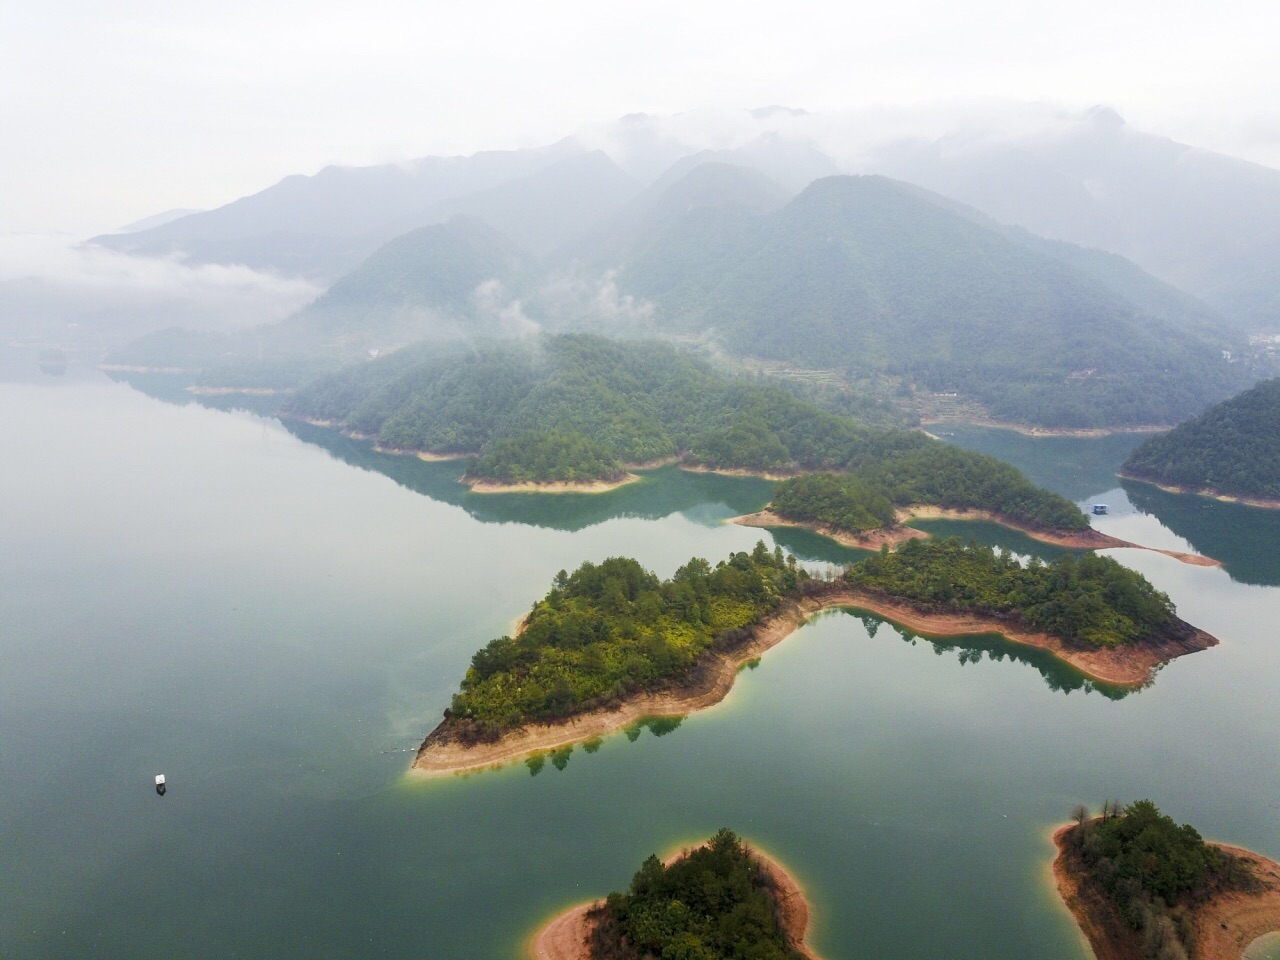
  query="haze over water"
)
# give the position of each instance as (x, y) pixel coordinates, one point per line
(204, 594)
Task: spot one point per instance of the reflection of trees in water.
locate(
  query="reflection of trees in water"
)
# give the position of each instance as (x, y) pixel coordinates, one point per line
(1243, 538)
(1058, 676)
(665, 491)
(1076, 467)
(559, 757)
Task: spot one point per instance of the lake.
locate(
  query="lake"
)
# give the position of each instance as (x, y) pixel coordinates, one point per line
(274, 618)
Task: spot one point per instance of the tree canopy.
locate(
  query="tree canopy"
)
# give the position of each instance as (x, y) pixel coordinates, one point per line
(713, 903)
(1232, 448)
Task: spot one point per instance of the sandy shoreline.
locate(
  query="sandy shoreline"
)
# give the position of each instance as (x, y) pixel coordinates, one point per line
(565, 936)
(1208, 493)
(142, 368)
(1030, 431)
(1072, 540)
(440, 756)
(866, 540)
(739, 472)
(551, 486)
(1224, 926)
(242, 391)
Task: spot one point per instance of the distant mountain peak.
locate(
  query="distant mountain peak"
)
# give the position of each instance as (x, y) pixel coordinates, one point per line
(1105, 117)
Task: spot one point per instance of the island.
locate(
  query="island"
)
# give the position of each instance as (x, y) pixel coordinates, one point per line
(612, 644)
(1230, 452)
(719, 899)
(859, 512)
(579, 413)
(1143, 888)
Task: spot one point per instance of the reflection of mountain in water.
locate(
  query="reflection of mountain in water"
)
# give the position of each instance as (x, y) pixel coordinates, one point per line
(172, 388)
(1243, 538)
(1076, 467)
(703, 498)
(1060, 677)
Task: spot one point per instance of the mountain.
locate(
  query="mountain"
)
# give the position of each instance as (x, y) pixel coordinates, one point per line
(1201, 221)
(542, 211)
(322, 225)
(873, 276)
(157, 220)
(576, 407)
(1232, 449)
(648, 217)
(450, 281)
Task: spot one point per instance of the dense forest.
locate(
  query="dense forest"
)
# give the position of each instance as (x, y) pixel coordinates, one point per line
(942, 475)
(1150, 870)
(613, 629)
(846, 502)
(1089, 600)
(580, 407)
(866, 279)
(877, 276)
(1232, 448)
(713, 903)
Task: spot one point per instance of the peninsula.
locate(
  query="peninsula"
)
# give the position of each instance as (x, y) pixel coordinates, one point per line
(753, 910)
(1230, 452)
(1143, 888)
(574, 412)
(612, 644)
(860, 513)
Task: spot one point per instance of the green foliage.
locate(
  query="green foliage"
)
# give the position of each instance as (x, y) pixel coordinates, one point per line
(846, 502)
(1151, 869)
(578, 407)
(713, 903)
(1232, 448)
(891, 279)
(612, 629)
(1090, 600)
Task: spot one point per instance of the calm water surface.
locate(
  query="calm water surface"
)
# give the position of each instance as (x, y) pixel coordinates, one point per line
(274, 619)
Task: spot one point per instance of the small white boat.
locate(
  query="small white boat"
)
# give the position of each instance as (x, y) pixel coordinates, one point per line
(160, 784)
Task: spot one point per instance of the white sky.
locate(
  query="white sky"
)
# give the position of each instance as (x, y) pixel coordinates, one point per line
(113, 111)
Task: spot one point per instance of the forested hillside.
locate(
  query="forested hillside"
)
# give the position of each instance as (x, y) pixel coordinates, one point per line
(577, 407)
(613, 630)
(1090, 601)
(1233, 448)
(449, 281)
(866, 274)
(713, 902)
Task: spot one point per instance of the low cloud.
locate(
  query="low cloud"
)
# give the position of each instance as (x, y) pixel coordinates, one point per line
(595, 303)
(50, 280)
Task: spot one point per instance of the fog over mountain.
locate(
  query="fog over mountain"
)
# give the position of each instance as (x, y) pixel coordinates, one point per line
(1205, 223)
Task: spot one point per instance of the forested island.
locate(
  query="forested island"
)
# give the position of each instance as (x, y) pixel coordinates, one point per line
(718, 901)
(577, 410)
(611, 643)
(871, 509)
(1142, 887)
(1230, 451)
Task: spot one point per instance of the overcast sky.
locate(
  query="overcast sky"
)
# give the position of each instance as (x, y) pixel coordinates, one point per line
(115, 111)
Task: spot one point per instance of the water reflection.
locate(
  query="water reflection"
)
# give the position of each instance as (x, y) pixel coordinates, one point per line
(1243, 538)
(703, 498)
(559, 757)
(1076, 467)
(973, 648)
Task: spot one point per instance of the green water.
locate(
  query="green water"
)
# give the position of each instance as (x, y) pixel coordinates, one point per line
(274, 621)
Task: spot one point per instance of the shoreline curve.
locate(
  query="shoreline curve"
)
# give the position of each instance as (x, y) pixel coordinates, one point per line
(564, 937)
(1224, 926)
(440, 755)
(865, 540)
(1209, 493)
